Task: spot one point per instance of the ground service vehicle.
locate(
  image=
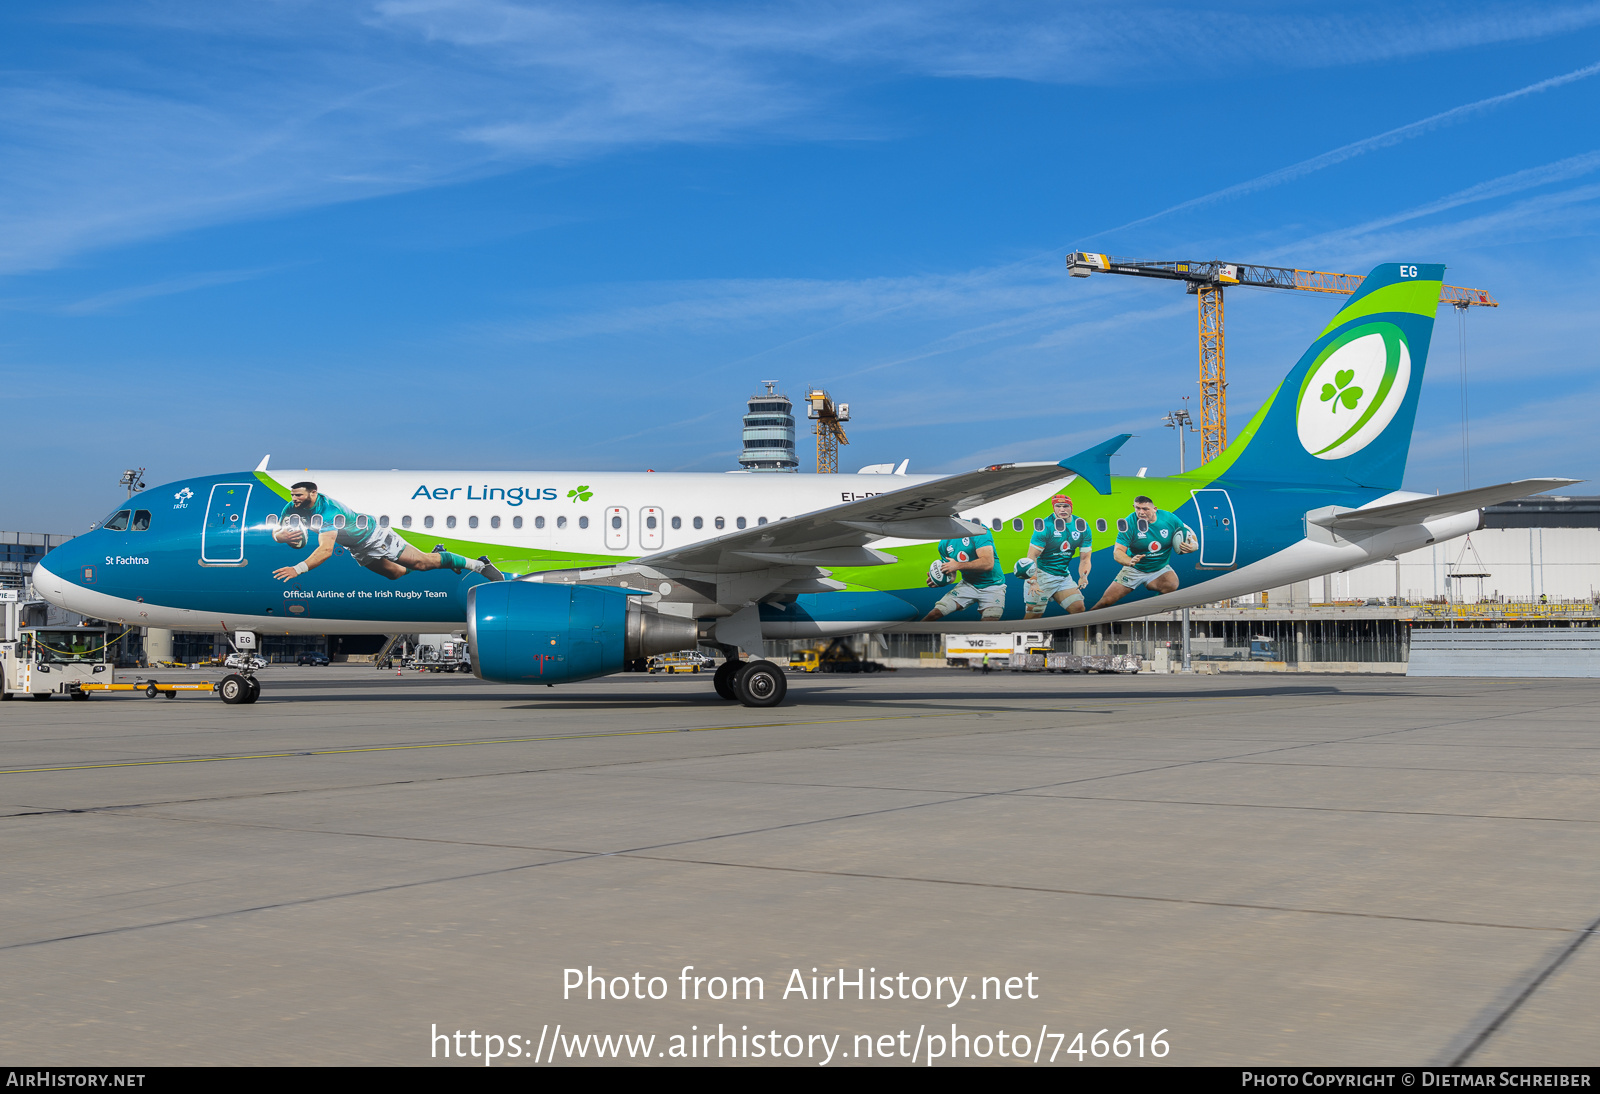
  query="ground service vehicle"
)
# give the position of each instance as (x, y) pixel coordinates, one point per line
(670, 663)
(46, 661)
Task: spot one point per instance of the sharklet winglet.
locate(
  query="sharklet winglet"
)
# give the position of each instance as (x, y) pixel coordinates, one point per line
(1093, 465)
(262, 466)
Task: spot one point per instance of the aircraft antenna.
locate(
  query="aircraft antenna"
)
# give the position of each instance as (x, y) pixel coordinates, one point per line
(1206, 281)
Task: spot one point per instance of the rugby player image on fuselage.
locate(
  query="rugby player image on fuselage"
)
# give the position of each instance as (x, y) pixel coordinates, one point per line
(982, 581)
(380, 550)
(1144, 549)
(1048, 568)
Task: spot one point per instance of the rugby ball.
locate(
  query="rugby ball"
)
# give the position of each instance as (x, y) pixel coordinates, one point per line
(1024, 567)
(936, 574)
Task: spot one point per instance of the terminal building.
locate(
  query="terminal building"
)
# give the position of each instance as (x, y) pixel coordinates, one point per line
(769, 432)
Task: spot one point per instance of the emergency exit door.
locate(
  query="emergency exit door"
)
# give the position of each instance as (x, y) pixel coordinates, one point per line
(1219, 532)
(222, 537)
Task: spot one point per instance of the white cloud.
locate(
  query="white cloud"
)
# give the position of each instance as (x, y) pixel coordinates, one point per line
(160, 119)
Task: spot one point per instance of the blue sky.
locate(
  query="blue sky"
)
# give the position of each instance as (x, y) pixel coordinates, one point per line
(481, 233)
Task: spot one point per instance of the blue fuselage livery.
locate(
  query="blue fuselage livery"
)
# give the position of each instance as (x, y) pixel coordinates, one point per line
(560, 576)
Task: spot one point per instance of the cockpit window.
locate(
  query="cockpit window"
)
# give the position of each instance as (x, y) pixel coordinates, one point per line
(118, 521)
(141, 520)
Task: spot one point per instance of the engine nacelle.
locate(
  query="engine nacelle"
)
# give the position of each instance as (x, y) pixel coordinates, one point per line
(532, 632)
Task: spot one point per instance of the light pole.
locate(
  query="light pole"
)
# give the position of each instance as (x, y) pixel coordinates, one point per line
(1180, 420)
(133, 479)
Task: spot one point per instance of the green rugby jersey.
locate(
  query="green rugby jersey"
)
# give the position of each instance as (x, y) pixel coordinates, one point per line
(1155, 542)
(966, 550)
(1058, 548)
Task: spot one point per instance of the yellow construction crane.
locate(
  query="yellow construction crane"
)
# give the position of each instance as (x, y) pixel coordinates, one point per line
(827, 416)
(1206, 281)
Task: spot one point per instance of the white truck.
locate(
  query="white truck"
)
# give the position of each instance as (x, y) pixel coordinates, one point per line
(968, 650)
(46, 661)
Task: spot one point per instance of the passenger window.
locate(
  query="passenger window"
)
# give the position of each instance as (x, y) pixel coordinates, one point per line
(383, 522)
(1100, 525)
(616, 522)
(997, 524)
(720, 523)
(677, 522)
(1122, 525)
(739, 523)
(1083, 525)
(561, 522)
(362, 521)
(1061, 525)
(1038, 524)
(272, 520)
(338, 520)
(494, 522)
(405, 522)
(649, 522)
(449, 522)
(516, 522)
(538, 522)
(316, 522)
(118, 521)
(583, 522)
(141, 520)
(761, 520)
(699, 522)
(427, 522)
(472, 522)
(1016, 525)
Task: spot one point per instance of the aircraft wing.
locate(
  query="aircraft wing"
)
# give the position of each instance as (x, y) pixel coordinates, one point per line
(838, 535)
(1419, 510)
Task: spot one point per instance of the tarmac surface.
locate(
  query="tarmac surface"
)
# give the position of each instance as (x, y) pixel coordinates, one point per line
(1323, 870)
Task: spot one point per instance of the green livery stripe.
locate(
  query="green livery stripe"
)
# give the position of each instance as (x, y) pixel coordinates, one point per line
(516, 560)
(1416, 297)
(271, 484)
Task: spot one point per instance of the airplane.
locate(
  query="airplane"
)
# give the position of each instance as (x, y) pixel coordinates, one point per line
(559, 577)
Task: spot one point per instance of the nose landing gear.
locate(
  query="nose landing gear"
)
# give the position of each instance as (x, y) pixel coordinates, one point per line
(237, 688)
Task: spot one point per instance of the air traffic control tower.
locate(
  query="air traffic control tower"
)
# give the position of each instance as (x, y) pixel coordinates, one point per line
(769, 432)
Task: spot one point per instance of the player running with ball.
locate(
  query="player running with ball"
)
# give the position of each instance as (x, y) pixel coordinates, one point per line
(1144, 550)
(1048, 568)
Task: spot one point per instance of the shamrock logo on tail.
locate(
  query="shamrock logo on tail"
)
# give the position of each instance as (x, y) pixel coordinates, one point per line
(1340, 392)
(583, 493)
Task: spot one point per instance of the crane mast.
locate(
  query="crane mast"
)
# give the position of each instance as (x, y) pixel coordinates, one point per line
(1207, 280)
(826, 417)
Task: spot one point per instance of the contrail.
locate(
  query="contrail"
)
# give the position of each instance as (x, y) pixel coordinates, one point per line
(1363, 146)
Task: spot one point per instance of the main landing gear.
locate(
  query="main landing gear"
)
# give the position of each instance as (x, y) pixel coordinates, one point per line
(753, 683)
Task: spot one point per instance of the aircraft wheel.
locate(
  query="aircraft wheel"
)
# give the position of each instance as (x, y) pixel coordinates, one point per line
(761, 684)
(723, 679)
(234, 689)
(255, 689)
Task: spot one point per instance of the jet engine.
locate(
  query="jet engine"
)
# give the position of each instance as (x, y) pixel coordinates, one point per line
(532, 632)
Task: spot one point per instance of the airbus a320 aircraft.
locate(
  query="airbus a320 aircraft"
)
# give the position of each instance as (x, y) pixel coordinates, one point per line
(560, 577)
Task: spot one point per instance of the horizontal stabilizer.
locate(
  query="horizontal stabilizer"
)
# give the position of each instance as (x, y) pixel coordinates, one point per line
(918, 527)
(1421, 510)
(1093, 465)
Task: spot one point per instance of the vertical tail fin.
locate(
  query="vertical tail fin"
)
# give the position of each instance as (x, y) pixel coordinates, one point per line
(1343, 415)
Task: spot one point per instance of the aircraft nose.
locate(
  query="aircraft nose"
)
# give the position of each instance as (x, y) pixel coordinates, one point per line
(49, 584)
